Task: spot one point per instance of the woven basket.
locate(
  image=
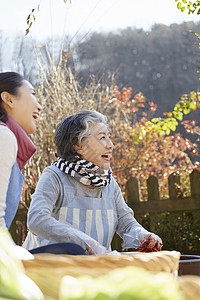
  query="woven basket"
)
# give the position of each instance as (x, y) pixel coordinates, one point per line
(163, 261)
(190, 286)
(47, 270)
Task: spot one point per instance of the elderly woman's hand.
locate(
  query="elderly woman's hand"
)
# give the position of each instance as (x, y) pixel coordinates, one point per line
(94, 248)
(150, 242)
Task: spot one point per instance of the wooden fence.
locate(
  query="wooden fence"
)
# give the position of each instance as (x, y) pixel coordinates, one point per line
(155, 206)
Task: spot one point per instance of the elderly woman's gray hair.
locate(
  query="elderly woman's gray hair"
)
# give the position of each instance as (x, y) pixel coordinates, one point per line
(73, 129)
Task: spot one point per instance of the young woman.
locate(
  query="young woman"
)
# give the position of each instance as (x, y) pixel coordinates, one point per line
(76, 199)
(19, 111)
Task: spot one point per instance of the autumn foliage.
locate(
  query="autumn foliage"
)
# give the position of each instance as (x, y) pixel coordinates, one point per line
(141, 150)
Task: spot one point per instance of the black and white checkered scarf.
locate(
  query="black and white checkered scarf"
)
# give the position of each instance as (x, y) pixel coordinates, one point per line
(84, 172)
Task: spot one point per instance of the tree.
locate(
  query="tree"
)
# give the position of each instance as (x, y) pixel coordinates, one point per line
(187, 103)
(160, 62)
(191, 6)
(141, 151)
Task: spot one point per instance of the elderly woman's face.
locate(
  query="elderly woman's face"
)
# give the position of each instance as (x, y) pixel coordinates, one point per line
(97, 148)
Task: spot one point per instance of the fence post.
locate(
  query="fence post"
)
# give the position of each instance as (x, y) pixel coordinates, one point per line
(132, 189)
(173, 181)
(195, 183)
(153, 188)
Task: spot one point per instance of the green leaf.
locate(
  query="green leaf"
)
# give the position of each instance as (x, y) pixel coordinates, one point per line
(154, 120)
(179, 5)
(173, 127)
(192, 105)
(178, 115)
(186, 111)
(165, 127)
(167, 131)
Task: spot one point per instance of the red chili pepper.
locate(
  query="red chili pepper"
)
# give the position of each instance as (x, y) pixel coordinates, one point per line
(150, 245)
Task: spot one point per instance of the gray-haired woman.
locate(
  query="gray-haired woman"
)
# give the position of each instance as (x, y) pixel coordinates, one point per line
(76, 199)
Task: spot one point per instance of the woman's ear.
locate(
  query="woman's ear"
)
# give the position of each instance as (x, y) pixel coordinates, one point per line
(79, 149)
(7, 99)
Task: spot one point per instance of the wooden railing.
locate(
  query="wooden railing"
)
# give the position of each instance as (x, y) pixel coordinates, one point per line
(155, 205)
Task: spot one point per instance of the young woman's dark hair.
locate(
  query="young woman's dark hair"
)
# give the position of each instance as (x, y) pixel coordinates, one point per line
(10, 82)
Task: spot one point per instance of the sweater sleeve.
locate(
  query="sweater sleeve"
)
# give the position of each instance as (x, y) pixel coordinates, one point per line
(127, 227)
(8, 154)
(43, 224)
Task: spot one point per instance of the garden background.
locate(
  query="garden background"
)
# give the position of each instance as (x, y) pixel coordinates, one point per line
(147, 83)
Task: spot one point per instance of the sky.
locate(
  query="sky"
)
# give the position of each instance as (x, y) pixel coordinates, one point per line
(84, 16)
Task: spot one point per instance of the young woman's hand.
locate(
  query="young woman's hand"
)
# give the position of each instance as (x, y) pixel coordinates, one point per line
(150, 242)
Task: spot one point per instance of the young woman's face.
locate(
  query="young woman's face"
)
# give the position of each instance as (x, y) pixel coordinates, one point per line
(26, 108)
(97, 148)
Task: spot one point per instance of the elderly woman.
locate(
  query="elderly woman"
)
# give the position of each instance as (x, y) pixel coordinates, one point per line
(76, 199)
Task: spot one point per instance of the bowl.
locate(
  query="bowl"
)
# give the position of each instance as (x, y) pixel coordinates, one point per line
(189, 265)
